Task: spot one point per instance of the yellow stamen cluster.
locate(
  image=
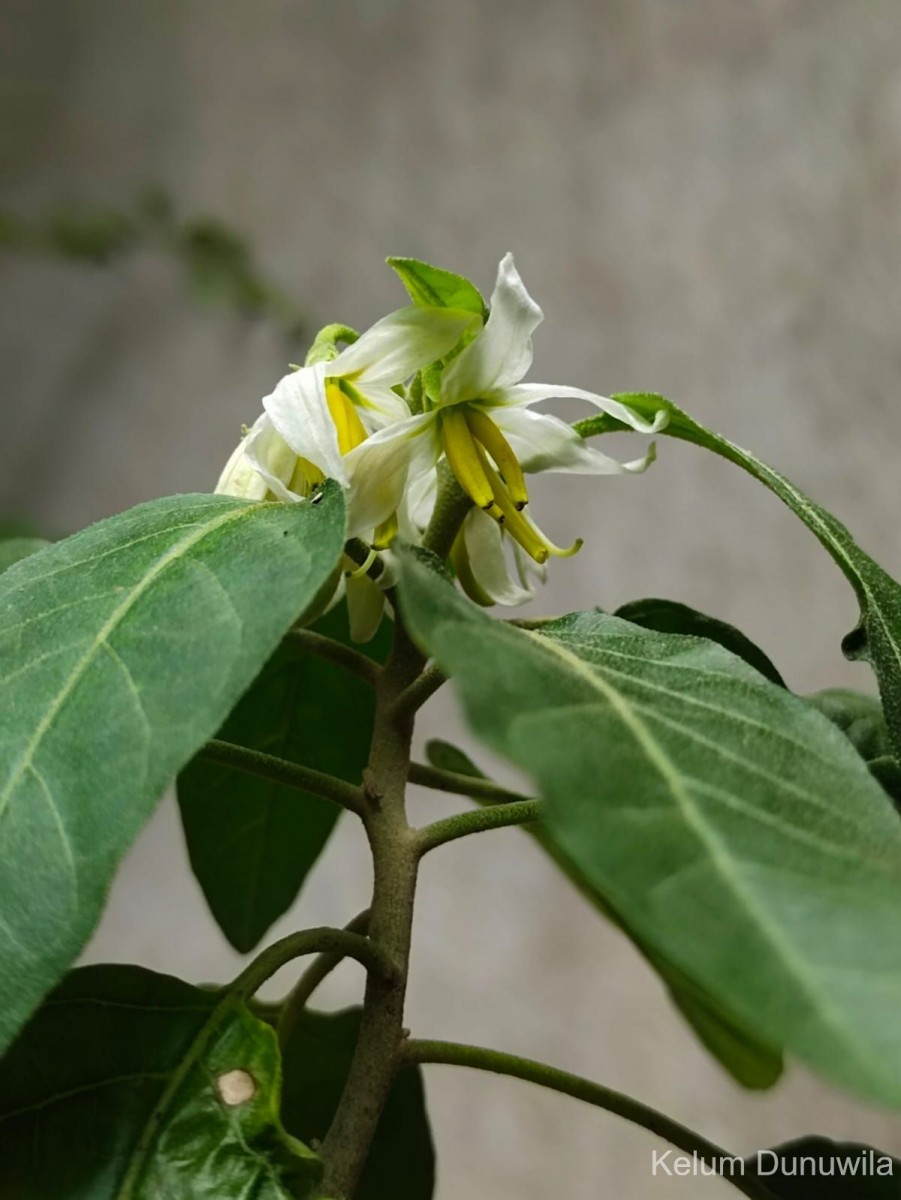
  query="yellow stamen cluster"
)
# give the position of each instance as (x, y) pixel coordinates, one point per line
(351, 431)
(489, 473)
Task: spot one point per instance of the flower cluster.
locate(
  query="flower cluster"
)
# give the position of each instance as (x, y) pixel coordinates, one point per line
(430, 383)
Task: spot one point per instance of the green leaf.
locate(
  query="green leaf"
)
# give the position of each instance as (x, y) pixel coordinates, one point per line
(129, 1084)
(668, 616)
(816, 1168)
(859, 716)
(748, 1060)
(730, 825)
(436, 288)
(877, 638)
(122, 650)
(252, 842)
(12, 550)
(401, 1162)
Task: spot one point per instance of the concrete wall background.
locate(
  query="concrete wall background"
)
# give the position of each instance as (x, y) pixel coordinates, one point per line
(705, 199)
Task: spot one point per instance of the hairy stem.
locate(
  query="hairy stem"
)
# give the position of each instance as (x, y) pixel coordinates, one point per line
(323, 940)
(343, 656)
(394, 858)
(439, 833)
(421, 690)
(460, 1055)
(280, 770)
(451, 508)
(318, 970)
(462, 785)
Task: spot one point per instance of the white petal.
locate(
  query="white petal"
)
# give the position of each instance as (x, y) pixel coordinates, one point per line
(527, 568)
(502, 353)
(487, 558)
(418, 504)
(365, 605)
(271, 458)
(299, 412)
(377, 405)
(545, 443)
(401, 343)
(525, 394)
(378, 470)
(240, 477)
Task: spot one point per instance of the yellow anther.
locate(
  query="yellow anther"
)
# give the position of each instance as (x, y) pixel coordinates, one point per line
(304, 477)
(385, 533)
(519, 527)
(351, 431)
(485, 431)
(463, 458)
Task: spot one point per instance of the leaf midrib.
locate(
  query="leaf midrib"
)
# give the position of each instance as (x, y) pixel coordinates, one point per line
(116, 617)
(670, 773)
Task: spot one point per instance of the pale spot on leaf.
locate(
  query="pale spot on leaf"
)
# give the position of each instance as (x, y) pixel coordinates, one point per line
(236, 1087)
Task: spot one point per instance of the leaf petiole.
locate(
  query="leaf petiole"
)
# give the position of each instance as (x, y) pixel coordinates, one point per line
(280, 770)
(459, 1054)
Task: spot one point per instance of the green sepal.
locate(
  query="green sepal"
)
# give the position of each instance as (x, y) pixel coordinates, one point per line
(325, 344)
(433, 287)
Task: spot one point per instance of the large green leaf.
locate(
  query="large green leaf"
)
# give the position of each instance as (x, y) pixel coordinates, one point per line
(731, 826)
(860, 718)
(750, 1062)
(878, 636)
(816, 1168)
(401, 1163)
(12, 550)
(122, 649)
(669, 616)
(252, 842)
(128, 1085)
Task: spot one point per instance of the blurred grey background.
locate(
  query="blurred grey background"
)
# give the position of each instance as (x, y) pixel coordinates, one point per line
(704, 196)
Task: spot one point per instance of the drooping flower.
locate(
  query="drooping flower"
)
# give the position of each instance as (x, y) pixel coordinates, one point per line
(478, 416)
(319, 413)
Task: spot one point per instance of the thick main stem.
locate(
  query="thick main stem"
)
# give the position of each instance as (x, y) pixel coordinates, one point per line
(394, 858)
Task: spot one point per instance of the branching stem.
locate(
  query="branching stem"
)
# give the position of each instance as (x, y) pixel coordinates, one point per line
(499, 816)
(395, 860)
(343, 656)
(280, 770)
(323, 940)
(460, 1055)
(420, 690)
(462, 785)
(318, 970)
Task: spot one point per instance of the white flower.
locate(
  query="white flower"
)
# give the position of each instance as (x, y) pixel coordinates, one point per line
(479, 418)
(318, 414)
